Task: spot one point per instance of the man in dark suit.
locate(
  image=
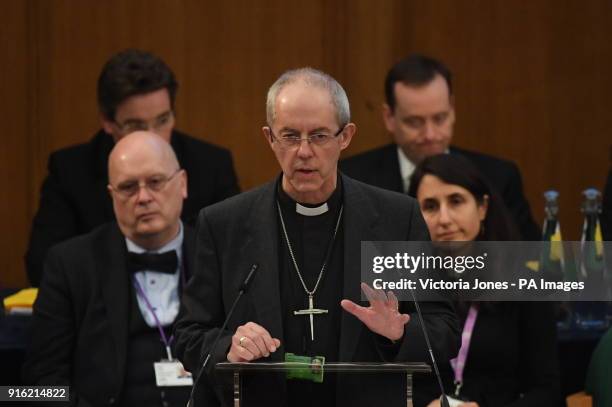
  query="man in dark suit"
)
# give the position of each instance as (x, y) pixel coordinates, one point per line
(420, 116)
(304, 230)
(108, 299)
(136, 91)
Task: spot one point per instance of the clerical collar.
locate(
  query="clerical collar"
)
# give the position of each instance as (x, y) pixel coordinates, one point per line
(305, 209)
(314, 211)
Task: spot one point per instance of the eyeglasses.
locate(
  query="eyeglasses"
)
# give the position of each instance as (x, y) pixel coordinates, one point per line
(294, 140)
(156, 183)
(157, 124)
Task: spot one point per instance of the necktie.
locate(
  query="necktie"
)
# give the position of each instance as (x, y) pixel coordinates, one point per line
(166, 262)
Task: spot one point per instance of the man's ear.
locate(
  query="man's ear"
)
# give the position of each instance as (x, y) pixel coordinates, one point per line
(184, 189)
(107, 125)
(452, 109)
(388, 118)
(347, 135)
(267, 133)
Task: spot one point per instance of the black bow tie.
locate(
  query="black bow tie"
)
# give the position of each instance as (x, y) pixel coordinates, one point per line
(166, 262)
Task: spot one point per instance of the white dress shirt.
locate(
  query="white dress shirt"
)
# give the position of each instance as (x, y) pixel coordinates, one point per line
(406, 168)
(161, 289)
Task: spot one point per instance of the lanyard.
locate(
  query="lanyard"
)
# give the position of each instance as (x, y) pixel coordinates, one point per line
(458, 363)
(167, 341)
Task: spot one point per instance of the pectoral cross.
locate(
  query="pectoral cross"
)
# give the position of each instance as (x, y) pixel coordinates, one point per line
(310, 311)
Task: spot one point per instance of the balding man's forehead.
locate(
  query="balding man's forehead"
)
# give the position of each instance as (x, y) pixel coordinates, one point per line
(141, 151)
(142, 139)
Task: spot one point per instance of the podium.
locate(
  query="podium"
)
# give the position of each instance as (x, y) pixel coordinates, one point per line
(336, 367)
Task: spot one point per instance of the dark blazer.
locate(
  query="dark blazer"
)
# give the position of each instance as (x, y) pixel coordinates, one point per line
(74, 198)
(81, 316)
(512, 359)
(380, 167)
(243, 230)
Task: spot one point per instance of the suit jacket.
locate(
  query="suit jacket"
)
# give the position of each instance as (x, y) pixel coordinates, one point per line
(380, 167)
(81, 316)
(243, 230)
(74, 198)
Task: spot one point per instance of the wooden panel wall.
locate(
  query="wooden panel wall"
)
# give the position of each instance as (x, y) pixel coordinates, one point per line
(15, 169)
(531, 80)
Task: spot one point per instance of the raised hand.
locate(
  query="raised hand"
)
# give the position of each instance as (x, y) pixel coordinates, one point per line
(382, 316)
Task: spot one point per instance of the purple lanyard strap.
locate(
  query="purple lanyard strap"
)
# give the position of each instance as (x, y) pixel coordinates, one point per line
(458, 363)
(167, 341)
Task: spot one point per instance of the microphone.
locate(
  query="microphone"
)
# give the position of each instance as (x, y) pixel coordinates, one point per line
(443, 399)
(243, 289)
(247, 280)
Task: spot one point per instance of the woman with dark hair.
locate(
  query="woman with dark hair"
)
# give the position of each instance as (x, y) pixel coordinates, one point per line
(455, 170)
(508, 350)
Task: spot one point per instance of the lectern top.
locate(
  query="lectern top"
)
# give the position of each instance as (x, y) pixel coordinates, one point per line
(346, 367)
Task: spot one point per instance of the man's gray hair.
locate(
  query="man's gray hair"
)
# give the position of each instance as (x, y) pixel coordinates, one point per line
(311, 77)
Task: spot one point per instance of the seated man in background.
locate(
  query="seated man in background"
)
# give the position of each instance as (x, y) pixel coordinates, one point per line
(419, 113)
(136, 91)
(108, 298)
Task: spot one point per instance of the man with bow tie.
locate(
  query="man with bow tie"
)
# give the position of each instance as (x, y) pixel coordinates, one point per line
(103, 318)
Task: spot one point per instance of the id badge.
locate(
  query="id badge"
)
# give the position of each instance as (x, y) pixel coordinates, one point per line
(307, 367)
(453, 402)
(171, 373)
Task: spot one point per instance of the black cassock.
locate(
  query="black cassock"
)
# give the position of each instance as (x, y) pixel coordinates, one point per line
(311, 237)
